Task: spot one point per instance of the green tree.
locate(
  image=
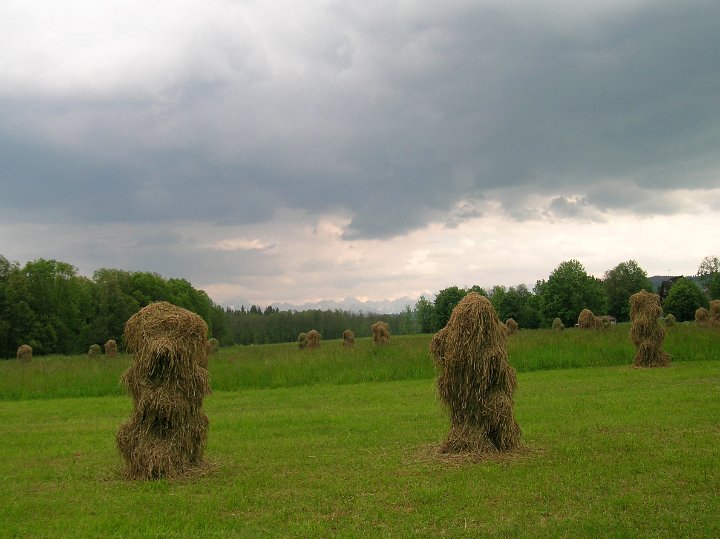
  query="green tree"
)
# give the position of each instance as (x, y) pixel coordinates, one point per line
(425, 314)
(517, 303)
(709, 274)
(445, 302)
(684, 299)
(620, 283)
(497, 296)
(569, 290)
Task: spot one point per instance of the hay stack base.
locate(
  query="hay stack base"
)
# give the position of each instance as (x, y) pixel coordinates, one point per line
(476, 381)
(646, 332)
(381, 333)
(167, 430)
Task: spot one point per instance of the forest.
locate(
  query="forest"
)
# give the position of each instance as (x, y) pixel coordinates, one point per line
(49, 306)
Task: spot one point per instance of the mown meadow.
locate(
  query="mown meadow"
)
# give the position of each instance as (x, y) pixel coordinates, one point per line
(342, 443)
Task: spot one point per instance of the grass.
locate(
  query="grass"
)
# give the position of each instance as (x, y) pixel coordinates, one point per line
(610, 451)
(406, 358)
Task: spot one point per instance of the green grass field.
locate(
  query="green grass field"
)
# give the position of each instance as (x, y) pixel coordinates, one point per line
(608, 450)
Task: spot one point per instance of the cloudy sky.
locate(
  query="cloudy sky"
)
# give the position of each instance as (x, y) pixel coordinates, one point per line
(284, 151)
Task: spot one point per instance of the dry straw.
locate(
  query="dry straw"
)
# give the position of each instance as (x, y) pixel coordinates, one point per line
(702, 317)
(348, 338)
(313, 340)
(670, 320)
(557, 325)
(512, 326)
(714, 313)
(24, 352)
(94, 350)
(646, 332)
(302, 340)
(167, 430)
(476, 382)
(381, 333)
(111, 348)
(213, 345)
(586, 320)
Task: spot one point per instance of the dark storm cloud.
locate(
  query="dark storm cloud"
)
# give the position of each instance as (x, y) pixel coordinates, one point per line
(395, 116)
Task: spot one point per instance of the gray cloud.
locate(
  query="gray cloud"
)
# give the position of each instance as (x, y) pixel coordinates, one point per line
(395, 115)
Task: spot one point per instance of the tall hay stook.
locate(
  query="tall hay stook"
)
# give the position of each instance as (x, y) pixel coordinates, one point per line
(702, 317)
(313, 340)
(714, 313)
(381, 333)
(586, 319)
(476, 382)
(348, 338)
(166, 433)
(111, 348)
(646, 332)
(24, 352)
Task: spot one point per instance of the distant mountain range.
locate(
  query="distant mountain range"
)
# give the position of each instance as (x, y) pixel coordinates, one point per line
(382, 306)
(347, 304)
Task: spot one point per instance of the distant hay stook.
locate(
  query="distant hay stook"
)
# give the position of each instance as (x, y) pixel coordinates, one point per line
(302, 340)
(646, 332)
(558, 325)
(24, 352)
(702, 317)
(111, 348)
(313, 340)
(512, 326)
(670, 320)
(166, 433)
(586, 319)
(714, 313)
(476, 382)
(381, 333)
(94, 350)
(348, 338)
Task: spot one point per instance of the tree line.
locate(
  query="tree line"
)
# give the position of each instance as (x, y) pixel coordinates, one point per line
(46, 304)
(569, 289)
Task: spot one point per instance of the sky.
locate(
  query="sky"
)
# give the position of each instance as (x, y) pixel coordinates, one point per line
(284, 151)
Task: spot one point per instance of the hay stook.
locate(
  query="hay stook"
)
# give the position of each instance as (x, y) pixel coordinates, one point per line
(111, 348)
(313, 340)
(24, 352)
(381, 333)
(512, 326)
(166, 433)
(302, 340)
(714, 313)
(646, 333)
(348, 338)
(702, 317)
(558, 325)
(476, 382)
(586, 320)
